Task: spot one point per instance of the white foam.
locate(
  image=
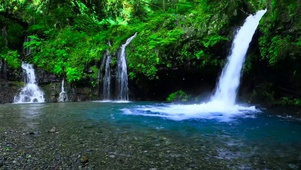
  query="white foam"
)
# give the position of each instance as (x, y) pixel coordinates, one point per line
(112, 101)
(210, 110)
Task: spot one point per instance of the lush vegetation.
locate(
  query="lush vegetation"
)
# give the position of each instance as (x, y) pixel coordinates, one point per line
(69, 38)
(178, 96)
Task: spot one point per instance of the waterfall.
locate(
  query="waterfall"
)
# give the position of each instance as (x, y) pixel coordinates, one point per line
(63, 97)
(122, 75)
(27, 51)
(228, 84)
(222, 105)
(106, 61)
(31, 93)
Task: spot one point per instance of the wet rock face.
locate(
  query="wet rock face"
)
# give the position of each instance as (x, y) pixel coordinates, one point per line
(3, 69)
(44, 77)
(8, 89)
(52, 93)
(7, 73)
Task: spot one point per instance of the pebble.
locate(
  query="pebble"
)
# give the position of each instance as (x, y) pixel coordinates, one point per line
(52, 130)
(31, 133)
(293, 166)
(84, 159)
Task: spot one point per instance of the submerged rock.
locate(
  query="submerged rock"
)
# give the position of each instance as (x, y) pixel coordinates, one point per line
(293, 166)
(52, 130)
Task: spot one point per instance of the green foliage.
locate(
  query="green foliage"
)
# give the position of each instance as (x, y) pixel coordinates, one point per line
(178, 96)
(68, 38)
(73, 74)
(213, 40)
(283, 19)
(285, 101)
(263, 93)
(280, 45)
(67, 53)
(11, 57)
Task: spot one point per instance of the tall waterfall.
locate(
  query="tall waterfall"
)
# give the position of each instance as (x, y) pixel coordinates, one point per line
(31, 93)
(122, 75)
(63, 97)
(228, 84)
(106, 61)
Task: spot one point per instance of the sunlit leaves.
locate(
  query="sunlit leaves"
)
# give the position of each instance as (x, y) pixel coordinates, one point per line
(281, 48)
(67, 53)
(34, 44)
(69, 37)
(73, 74)
(11, 57)
(284, 20)
(210, 41)
(199, 54)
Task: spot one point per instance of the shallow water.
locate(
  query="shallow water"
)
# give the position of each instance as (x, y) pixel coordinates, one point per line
(118, 135)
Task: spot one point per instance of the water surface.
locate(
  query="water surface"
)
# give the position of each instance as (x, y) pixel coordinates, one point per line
(59, 135)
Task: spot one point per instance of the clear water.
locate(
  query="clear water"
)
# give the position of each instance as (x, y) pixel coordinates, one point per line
(113, 139)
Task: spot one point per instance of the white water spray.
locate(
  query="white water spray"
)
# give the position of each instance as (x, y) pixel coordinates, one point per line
(222, 105)
(31, 93)
(122, 75)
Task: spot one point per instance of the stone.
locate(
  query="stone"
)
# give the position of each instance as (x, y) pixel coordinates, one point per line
(1, 162)
(293, 166)
(52, 130)
(84, 160)
(31, 133)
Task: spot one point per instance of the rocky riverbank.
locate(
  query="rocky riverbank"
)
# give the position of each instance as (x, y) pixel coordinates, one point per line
(54, 136)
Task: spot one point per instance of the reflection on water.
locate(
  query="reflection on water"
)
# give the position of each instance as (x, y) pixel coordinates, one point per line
(30, 114)
(25, 113)
(114, 140)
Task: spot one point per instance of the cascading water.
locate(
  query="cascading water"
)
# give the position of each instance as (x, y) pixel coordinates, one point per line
(31, 93)
(122, 75)
(107, 76)
(226, 90)
(27, 50)
(63, 97)
(222, 105)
